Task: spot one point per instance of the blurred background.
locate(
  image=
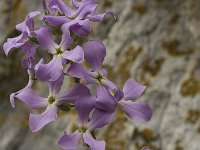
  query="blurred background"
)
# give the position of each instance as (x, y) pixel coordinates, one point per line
(156, 42)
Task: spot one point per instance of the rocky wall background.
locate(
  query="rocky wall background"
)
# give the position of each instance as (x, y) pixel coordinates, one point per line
(156, 42)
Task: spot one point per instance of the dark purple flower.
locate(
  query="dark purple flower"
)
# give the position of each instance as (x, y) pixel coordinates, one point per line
(27, 29)
(50, 104)
(79, 20)
(61, 54)
(84, 106)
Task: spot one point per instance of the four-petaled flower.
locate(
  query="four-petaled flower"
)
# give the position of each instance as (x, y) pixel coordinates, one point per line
(51, 103)
(99, 118)
(61, 54)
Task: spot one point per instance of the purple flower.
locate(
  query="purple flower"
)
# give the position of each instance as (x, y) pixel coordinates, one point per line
(27, 29)
(139, 111)
(51, 103)
(29, 64)
(79, 20)
(84, 106)
(94, 54)
(61, 54)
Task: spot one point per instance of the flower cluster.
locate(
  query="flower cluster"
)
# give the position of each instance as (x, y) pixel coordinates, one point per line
(62, 28)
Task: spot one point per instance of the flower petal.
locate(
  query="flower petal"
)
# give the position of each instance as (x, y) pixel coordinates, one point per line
(76, 70)
(38, 121)
(28, 24)
(76, 3)
(15, 42)
(55, 20)
(29, 50)
(55, 86)
(100, 118)
(50, 7)
(73, 93)
(94, 16)
(84, 105)
(110, 85)
(132, 89)
(82, 27)
(29, 62)
(139, 111)
(66, 10)
(28, 96)
(86, 7)
(50, 71)
(118, 95)
(69, 142)
(45, 39)
(95, 53)
(66, 38)
(75, 55)
(94, 144)
(105, 101)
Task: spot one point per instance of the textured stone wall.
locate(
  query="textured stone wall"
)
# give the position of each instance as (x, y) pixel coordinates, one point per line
(156, 42)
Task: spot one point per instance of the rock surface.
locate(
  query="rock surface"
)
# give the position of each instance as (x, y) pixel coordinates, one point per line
(155, 42)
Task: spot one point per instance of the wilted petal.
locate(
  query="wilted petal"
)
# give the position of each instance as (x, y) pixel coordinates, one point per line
(66, 10)
(94, 144)
(95, 53)
(38, 121)
(105, 100)
(45, 40)
(55, 86)
(28, 96)
(139, 111)
(55, 20)
(84, 105)
(73, 93)
(69, 142)
(82, 27)
(75, 55)
(132, 89)
(50, 71)
(29, 50)
(94, 16)
(100, 118)
(29, 63)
